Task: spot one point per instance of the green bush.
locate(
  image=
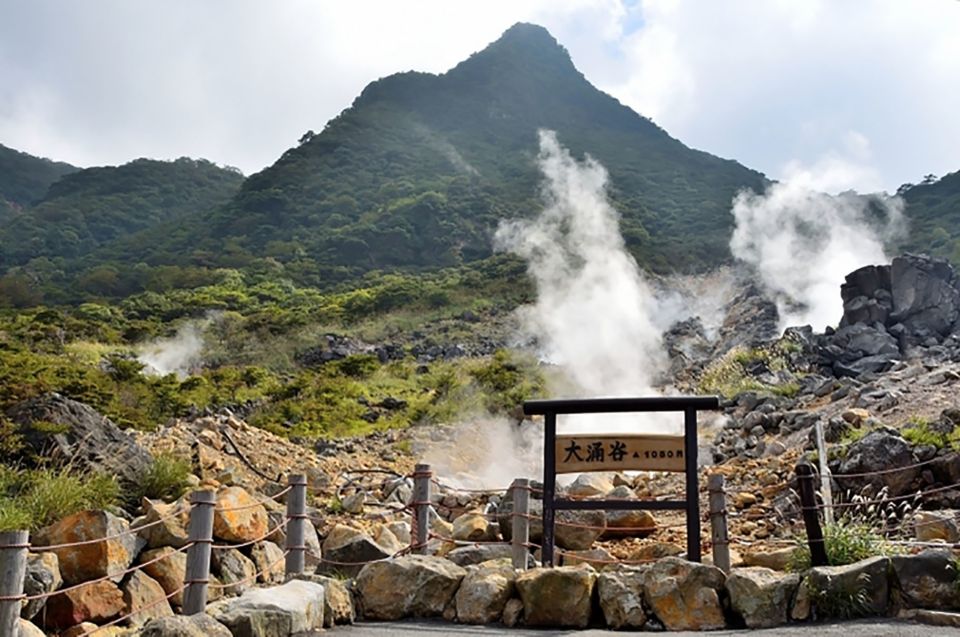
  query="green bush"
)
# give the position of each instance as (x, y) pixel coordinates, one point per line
(846, 542)
(35, 498)
(166, 478)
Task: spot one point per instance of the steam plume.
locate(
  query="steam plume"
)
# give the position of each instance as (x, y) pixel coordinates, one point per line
(803, 241)
(593, 311)
(176, 355)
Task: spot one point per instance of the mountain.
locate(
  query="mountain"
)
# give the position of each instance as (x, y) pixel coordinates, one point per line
(24, 179)
(419, 170)
(933, 211)
(95, 206)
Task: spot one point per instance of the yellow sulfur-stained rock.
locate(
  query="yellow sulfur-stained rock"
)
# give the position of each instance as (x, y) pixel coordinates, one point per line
(91, 561)
(558, 597)
(238, 516)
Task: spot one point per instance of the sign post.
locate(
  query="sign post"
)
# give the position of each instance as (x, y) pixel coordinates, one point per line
(579, 453)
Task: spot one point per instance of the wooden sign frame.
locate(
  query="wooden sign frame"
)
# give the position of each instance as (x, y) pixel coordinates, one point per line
(689, 405)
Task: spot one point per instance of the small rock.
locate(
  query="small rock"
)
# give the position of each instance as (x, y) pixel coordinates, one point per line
(43, 576)
(744, 500)
(163, 524)
(29, 630)
(338, 602)
(476, 554)
(590, 484)
(346, 550)
(184, 626)
(512, 612)
(472, 527)
(268, 559)
(353, 503)
(931, 526)
(234, 569)
(776, 559)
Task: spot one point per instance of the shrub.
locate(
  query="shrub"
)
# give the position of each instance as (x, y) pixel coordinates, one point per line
(846, 542)
(166, 478)
(13, 517)
(39, 497)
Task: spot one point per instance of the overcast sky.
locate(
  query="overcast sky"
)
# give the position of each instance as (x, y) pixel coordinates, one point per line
(867, 91)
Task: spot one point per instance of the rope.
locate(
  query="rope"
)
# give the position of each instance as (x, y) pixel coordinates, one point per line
(883, 471)
(109, 576)
(130, 531)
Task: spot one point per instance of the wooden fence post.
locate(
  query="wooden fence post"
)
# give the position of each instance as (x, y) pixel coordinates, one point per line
(198, 555)
(296, 525)
(521, 522)
(422, 476)
(14, 546)
(718, 523)
(808, 506)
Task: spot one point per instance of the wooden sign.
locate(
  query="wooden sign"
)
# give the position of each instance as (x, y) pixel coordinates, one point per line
(612, 452)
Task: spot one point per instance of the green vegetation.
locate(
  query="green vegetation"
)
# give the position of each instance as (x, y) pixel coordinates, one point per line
(842, 604)
(734, 373)
(933, 209)
(847, 541)
(25, 179)
(165, 479)
(34, 498)
(920, 431)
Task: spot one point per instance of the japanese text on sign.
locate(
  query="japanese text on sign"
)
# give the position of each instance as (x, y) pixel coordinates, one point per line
(611, 452)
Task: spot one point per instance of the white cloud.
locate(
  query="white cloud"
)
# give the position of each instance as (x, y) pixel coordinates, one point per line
(239, 82)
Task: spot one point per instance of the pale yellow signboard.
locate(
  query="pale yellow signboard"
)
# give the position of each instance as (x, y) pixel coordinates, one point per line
(612, 452)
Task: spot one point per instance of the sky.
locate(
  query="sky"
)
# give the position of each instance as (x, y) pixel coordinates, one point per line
(863, 92)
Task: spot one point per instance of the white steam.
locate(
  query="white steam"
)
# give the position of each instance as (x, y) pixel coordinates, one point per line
(803, 242)
(177, 355)
(593, 314)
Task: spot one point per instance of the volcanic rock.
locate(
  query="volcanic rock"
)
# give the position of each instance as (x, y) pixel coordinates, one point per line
(409, 586)
(234, 569)
(346, 550)
(86, 439)
(97, 603)
(291, 609)
(143, 599)
(91, 561)
(621, 598)
(483, 594)
(185, 626)
(927, 580)
(43, 576)
(540, 589)
(238, 516)
(169, 572)
(879, 451)
(685, 595)
(861, 588)
(761, 596)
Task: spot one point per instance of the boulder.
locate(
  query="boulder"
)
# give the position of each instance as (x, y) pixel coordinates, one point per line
(590, 484)
(235, 570)
(409, 586)
(400, 530)
(879, 450)
(268, 559)
(280, 611)
(467, 555)
(775, 559)
(28, 629)
(855, 590)
(171, 531)
(927, 580)
(386, 540)
(925, 294)
(97, 603)
(472, 527)
(621, 598)
(541, 589)
(169, 572)
(596, 557)
(622, 524)
(238, 517)
(91, 561)
(143, 599)
(484, 593)
(512, 613)
(761, 596)
(313, 555)
(86, 439)
(184, 626)
(338, 605)
(685, 595)
(43, 576)
(931, 526)
(346, 550)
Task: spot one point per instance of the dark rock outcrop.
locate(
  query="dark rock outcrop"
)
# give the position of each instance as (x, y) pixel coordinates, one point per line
(57, 428)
